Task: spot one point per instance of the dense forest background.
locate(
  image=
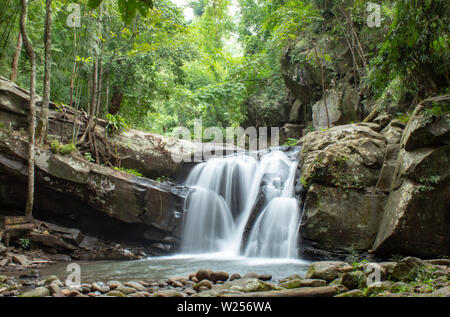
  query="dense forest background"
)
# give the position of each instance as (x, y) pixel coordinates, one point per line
(157, 69)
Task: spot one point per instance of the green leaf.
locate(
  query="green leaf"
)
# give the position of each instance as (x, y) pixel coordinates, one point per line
(127, 9)
(93, 4)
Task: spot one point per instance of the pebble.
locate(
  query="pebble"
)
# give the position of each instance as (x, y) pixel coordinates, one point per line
(126, 290)
(113, 284)
(204, 274)
(219, 276)
(50, 279)
(54, 289)
(136, 286)
(265, 277)
(96, 287)
(202, 284)
(70, 292)
(177, 284)
(115, 293)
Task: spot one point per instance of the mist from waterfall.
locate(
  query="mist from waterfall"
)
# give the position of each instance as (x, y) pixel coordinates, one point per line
(243, 204)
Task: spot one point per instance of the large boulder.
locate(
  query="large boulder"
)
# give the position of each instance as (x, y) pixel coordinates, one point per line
(327, 270)
(298, 113)
(420, 200)
(338, 106)
(416, 221)
(246, 285)
(341, 219)
(93, 198)
(425, 129)
(348, 156)
(339, 169)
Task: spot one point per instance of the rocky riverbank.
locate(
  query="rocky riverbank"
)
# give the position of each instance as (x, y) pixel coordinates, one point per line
(408, 277)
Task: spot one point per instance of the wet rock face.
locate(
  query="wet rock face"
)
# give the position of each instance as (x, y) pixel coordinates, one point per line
(95, 199)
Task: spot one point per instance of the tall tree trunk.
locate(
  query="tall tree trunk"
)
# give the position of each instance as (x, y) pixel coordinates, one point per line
(94, 86)
(43, 122)
(15, 61)
(100, 83)
(32, 124)
(107, 94)
(95, 75)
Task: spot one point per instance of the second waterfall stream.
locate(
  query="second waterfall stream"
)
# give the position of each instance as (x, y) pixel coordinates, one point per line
(243, 205)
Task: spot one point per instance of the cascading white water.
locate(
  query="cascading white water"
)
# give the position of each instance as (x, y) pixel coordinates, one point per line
(223, 195)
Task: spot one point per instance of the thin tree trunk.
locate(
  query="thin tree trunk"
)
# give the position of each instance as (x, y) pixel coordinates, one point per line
(43, 122)
(15, 61)
(74, 67)
(94, 87)
(100, 83)
(93, 109)
(107, 94)
(32, 124)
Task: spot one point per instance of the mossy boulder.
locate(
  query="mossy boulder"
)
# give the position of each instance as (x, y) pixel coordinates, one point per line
(406, 267)
(348, 156)
(326, 270)
(354, 280)
(86, 195)
(115, 293)
(378, 288)
(246, 285)
(37, 292)
(352, 293)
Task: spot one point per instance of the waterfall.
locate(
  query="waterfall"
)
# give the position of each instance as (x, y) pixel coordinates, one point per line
(226, 193)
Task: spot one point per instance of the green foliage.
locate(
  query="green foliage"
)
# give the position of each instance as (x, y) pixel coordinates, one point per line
(115, 124)
(131, 171)
(438, 110)
(88, 157)
(54, 146)
(403, 117)
(427, 184)
(65, 149)
(161, 179)
(416, 49)
(423, 277)
(127, 8)
(24, 243)
(359, 264)
(290, 142)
